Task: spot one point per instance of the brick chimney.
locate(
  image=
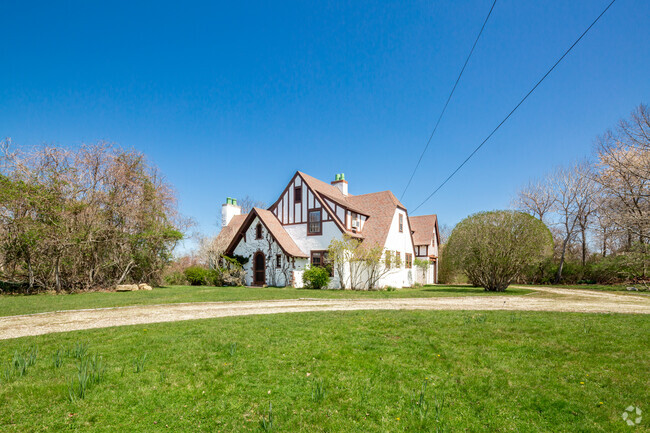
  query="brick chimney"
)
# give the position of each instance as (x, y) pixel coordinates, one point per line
(341, 183)
(229, 210)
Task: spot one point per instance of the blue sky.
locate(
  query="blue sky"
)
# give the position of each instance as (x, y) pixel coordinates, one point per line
(230, 99)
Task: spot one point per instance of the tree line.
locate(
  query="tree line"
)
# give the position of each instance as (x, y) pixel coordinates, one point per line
(598, 210)
(89, 217)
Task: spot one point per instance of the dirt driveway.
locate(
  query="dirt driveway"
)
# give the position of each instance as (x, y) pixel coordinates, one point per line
(543, 299)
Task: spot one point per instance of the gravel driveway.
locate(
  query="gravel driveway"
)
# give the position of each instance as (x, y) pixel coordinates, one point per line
(543, 299)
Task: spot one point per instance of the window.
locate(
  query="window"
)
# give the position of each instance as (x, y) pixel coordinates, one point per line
(278, 261)
(401, 223)
(258, 231)
(316, 258)
(297, 194)
(398, 259)
(315, 225)
(409, 261)
(319, 258)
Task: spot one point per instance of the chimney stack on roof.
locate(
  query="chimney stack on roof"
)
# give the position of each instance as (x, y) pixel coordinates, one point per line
(341, 183)
(229, 210)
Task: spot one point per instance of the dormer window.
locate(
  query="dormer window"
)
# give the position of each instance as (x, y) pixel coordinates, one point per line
(258, 231)
(355, 222)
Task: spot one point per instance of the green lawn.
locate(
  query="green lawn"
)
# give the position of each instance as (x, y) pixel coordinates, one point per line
(603, 287)
(340, 372)
(19, 304)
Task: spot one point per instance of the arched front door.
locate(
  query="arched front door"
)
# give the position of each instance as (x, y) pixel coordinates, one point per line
(259, 269)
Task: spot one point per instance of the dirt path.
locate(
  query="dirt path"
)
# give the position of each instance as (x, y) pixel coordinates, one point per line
(544, 299)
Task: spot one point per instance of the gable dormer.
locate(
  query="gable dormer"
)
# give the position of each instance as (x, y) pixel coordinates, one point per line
(298, 201)
(306, 199)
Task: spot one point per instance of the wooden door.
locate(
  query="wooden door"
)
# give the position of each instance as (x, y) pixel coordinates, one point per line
(259, 269)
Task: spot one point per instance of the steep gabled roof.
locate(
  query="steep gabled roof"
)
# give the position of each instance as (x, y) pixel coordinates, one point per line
(227, 233)
(321, 189)
(424, 227)
(273, 226)
(346, 203)
(331, 192)
(380, 208)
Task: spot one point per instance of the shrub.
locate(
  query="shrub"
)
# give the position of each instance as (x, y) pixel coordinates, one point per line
(495, 248)
(175, 278)
(316, 277)
(234, 276)
(214, 277)
(196, 276)
(608, 270)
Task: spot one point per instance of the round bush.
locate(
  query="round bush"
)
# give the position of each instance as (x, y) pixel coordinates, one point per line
(316, 277)
(196, 275)
(494, 248)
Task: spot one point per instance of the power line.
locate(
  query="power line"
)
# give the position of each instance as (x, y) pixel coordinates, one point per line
(448, 99)
(514, 109)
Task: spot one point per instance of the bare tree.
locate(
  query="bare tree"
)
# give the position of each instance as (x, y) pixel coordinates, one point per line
(603, 228)
(586, 203)
(566, 185)
(248, 203)
(445, 231)
(623, 169)
(86, 217)
(537, 198)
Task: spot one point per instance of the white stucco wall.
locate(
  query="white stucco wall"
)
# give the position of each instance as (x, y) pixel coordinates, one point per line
(291, 271)
(307, 244)
(298, 233)
(399, 242)
(426, 276)
(270, 248)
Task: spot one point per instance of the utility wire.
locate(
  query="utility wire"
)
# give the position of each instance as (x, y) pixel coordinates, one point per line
(448, 99)
(517, 106)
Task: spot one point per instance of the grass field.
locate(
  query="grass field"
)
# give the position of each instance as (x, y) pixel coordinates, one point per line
(337, 372)
(603, 287)
(20, 304)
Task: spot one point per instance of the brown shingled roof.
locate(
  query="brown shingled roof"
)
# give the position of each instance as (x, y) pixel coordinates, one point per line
(424, 228)
(227, 233)
(279, 233)
(322, 187)
(274, 227)
(380, 208)
(331, 192)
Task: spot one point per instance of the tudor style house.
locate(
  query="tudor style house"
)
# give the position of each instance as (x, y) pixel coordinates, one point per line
(295, 232)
